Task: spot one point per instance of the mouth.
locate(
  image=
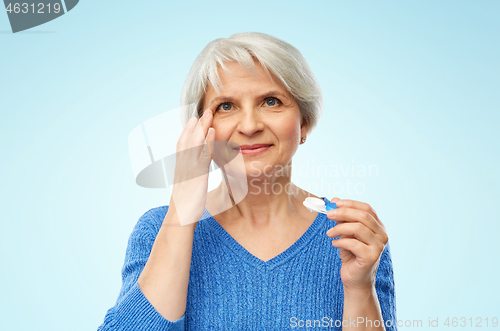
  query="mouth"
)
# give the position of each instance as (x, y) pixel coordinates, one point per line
(253, 149)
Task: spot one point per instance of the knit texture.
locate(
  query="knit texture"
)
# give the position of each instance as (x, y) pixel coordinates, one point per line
(231, 289)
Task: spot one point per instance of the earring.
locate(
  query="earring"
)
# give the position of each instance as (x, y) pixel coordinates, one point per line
(303, 140)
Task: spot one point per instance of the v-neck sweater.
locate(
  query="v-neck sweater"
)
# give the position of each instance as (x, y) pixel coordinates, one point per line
(231, 289)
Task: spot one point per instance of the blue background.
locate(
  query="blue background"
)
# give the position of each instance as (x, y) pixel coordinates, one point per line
(411, 89)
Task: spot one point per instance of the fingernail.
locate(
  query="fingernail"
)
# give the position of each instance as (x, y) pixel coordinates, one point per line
(332, 213)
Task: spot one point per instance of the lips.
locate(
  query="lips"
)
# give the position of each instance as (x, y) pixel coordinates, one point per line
(254, 146)
(255, 149)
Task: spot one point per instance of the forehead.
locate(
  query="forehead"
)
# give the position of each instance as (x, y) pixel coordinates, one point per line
(239, 80)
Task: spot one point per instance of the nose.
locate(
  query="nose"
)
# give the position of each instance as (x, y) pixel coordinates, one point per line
(250, 122)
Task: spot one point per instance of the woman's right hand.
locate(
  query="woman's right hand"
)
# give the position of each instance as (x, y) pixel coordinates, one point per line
(193, 157)
(165, 278)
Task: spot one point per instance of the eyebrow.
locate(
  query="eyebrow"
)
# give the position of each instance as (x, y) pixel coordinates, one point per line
(222, 98)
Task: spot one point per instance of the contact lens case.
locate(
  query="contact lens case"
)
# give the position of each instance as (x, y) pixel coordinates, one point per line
(318, 205)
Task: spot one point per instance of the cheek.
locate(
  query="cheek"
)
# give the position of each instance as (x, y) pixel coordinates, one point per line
(289, 130)
(222, 132)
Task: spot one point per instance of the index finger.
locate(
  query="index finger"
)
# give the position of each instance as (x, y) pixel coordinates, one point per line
(202, 127)
(358, 205)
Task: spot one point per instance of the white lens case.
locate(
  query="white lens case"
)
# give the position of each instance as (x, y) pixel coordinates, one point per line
(318, 205)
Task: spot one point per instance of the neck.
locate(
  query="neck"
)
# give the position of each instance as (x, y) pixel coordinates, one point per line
(259, 200)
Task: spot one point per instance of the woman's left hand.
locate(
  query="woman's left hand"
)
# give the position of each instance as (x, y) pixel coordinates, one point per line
(362, 240)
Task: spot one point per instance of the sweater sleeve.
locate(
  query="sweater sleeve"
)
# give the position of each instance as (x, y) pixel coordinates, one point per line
(132, 310)
(384, 285)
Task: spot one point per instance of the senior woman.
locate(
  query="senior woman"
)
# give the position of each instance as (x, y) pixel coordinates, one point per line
(263, 262)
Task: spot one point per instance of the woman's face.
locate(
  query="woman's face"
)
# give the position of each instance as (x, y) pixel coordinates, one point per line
(252, 110)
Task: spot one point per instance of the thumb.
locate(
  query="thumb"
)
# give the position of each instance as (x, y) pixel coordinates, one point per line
(334, 199)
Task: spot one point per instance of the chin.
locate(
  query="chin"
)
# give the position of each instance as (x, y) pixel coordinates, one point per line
(258, 169)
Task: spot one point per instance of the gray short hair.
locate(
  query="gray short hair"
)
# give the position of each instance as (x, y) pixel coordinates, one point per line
(274, 55)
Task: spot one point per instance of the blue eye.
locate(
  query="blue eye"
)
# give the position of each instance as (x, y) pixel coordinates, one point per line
(226, 106)
(271, 102)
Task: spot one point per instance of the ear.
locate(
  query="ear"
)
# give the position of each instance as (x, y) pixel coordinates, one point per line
(304, 126)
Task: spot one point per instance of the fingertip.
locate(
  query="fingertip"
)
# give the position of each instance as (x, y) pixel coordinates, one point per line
(207, 112)
(211, 133)
(193, 120)
(332, 213)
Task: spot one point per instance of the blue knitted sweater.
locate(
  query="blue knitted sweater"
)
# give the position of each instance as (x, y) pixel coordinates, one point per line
(231, 289)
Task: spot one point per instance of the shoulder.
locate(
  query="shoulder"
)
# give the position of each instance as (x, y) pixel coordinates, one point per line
(150, 222)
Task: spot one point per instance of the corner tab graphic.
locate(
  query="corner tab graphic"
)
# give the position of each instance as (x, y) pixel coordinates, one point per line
(25, 15)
